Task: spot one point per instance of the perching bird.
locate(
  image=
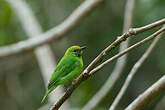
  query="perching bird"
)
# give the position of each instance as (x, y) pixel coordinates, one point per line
(69, 67)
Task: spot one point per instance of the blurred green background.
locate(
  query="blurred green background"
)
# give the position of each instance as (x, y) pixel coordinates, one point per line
(21, 83)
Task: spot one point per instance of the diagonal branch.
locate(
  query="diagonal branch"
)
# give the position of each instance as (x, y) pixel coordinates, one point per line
(147, 96)
(120, 39)
(127, 50)
(120, 64)
(85, 75)
(132, 73)
(55, 33)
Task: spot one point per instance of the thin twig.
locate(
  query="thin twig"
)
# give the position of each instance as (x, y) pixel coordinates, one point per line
(55, 33)
(123, 37)
(85, 75)
(132, 73)
(147, 96)
(127, 50)
(120, 63)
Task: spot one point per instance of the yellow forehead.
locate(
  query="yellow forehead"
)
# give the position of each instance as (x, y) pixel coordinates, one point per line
(75, 47)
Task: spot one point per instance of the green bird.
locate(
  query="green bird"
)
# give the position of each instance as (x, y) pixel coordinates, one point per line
(69, 67)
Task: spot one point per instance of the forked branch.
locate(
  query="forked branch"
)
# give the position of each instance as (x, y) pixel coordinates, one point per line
(86, 73)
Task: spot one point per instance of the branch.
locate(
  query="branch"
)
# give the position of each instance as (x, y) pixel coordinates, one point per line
(85, 75)
(120, 39)
(55, 33)
(127, 50)
(120, 64)
(132, 73)
(146, 97)
(32, 29)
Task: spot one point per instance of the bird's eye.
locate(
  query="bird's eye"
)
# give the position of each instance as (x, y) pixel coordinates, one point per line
(75, 50)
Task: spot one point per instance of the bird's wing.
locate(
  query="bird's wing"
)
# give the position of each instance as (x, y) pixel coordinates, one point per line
(65, 66)
(74, 73)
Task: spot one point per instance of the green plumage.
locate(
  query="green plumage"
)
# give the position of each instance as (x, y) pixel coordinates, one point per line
(69, 67)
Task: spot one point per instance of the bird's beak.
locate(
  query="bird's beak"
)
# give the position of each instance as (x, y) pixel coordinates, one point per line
(83, 47)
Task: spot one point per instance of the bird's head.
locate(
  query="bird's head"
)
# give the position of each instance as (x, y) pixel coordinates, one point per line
(75, 51)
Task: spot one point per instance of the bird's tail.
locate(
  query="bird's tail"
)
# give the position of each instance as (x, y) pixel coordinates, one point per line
(47, 93)
(45, 96)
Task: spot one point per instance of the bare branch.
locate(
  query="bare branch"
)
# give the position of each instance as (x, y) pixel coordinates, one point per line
(133, 71)
(147, 96)
(120, 64)
(127, 50)
(123, 37)
(53, 34)
(32, 29)
(85, 75)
